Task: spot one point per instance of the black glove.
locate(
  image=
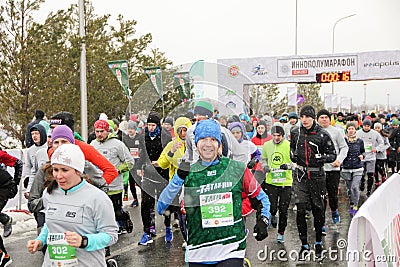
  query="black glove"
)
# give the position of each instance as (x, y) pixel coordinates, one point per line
(284, 167)
(320, 159)
(260, 229)
(252, 163)
(266, 169)
(183, 170)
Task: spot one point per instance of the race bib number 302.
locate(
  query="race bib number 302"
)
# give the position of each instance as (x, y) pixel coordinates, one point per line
(216, 210)
(60, 253)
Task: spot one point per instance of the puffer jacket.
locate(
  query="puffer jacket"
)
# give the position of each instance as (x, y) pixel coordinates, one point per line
(171, 163)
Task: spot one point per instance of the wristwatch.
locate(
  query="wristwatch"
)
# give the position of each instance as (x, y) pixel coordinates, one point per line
(84, 242)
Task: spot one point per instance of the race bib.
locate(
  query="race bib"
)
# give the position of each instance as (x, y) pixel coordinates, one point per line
(61, 254)
(368, 146)
(216, 210)
(134, 152)
(278, 176)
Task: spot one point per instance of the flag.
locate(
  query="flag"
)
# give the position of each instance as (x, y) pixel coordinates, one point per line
(182, 83)
(120, 69)
(300, 99)
(292, 93)
(155, 76)
(196, 73)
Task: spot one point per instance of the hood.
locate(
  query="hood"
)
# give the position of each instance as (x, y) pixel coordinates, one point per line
(238, 124)
(181, 121)
(42, 131)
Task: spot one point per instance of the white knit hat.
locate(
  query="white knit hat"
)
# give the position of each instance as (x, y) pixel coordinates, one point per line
(69, 155)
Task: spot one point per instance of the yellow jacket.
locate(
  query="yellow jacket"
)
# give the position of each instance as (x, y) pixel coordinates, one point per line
(171, 163)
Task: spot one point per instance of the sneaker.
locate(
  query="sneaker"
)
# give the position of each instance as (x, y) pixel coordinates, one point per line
(318, 250)
(175, 224)
(125, 197)
(5, 261)
(280, 238)
(112, 263)
(274, 221)
(304, 253)
(295, 208)
(153, 232)
(146, 239)
(353, 210)
(308, 216)
(168, 234)
(323, 230)
(8, 228)
(134, 203)
(377, 184)
(122, 230)
(336, 216)
(368, 194)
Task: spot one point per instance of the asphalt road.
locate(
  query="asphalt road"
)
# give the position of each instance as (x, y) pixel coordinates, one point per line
(128, 253)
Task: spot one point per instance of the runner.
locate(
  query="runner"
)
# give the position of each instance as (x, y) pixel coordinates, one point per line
(213, 185)
(79, 224)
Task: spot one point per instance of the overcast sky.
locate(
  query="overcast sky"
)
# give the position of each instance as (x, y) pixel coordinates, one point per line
(191, 30)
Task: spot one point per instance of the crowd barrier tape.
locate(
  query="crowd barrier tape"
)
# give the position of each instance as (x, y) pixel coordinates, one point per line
(374, 233)
(16, 203)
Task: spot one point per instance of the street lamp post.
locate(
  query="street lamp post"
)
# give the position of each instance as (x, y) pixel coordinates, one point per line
(365, 97)
(388, 108)
(333, 42)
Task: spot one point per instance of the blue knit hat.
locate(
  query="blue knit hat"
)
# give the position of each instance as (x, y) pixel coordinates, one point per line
(207, 128)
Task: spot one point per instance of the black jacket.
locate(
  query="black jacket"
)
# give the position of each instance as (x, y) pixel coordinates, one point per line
(356, 148)
(312, 147)
(154, 147)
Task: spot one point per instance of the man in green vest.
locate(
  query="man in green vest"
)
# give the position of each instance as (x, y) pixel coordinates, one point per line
(278, 182)
(213, 202)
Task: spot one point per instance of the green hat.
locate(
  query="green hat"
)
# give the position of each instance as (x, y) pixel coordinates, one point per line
(204, 108)
(395, 122)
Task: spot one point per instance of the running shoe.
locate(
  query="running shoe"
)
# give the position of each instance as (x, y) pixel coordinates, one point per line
(323, 230)
(336, 216)
(168, 234)
(134, 203)
(8, 228)
(280, 238)
(146, 239)
(304, 253)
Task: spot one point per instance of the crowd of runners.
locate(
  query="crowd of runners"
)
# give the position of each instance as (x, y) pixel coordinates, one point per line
(202, 171)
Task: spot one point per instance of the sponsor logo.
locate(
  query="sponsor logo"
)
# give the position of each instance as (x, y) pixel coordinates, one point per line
(233, 71)
(300, 72)
(70, 214)
(381, 64)
(212, 173)
(259, 70)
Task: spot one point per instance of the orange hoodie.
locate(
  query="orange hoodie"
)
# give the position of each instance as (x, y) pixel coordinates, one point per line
(94, 156)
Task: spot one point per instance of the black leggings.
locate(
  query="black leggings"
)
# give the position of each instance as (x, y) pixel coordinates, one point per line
(332, 185)
(225, 263)
(117, 205)
(279, 197)
(3, 219)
